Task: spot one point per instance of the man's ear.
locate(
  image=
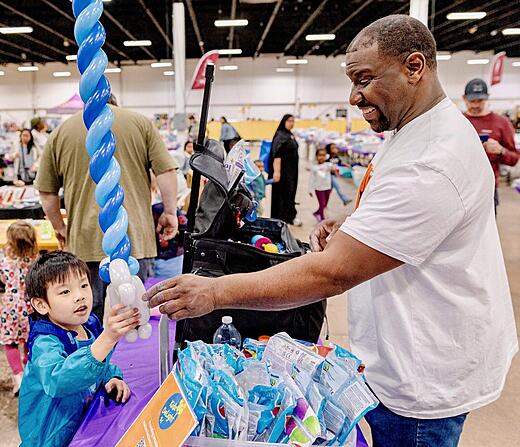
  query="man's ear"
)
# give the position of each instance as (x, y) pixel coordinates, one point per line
(415, 65)
(40, 305)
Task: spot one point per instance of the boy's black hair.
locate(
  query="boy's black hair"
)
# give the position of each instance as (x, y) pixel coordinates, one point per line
(50, 268)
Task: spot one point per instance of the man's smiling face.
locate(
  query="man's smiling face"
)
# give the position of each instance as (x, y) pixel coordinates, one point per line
(379, 87)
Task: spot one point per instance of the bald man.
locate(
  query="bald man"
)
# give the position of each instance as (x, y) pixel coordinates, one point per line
(429, 303)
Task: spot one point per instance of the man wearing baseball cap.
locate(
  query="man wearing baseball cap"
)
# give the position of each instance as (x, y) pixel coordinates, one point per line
(495, 131)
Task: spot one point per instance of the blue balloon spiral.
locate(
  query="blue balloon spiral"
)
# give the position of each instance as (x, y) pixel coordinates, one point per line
(105, 171)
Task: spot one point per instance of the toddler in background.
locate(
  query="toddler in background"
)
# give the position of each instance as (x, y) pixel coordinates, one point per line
(320, 182)
(333, 157)
(69, 351)
(258, 187)
(20, 252)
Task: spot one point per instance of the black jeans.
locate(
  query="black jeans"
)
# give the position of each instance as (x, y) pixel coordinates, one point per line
(99, 288)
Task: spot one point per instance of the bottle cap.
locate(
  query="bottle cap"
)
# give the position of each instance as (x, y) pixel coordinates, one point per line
(227, 320)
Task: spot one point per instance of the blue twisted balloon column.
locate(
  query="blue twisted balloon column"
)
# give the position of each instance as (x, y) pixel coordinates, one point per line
(105, 171)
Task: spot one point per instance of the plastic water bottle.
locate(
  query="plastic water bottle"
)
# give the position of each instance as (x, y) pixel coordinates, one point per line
(227, 334)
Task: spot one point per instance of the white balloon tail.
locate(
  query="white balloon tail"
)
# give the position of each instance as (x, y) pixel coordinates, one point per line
(131, 336)
(145, 331)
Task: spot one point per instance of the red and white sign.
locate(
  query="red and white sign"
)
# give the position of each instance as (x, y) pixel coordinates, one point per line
(497, 67)
(199, 81)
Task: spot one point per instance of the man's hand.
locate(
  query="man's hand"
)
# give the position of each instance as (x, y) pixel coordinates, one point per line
(323, 232)
(19, 183)
(493, 147)
(182, 297)
(167, 227)
(118, 389)
(61, 235)
(121, 320)
(276, 177)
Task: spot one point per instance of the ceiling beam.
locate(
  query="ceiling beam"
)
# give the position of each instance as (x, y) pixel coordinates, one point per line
(232, 29)
(464, 23)
(58, 10)
(156, 23)
(39, 42)
(195, 24)
(71, 19)
(128, 34)
(268, 27)
(37, 23)
(344, 22)
(11, 55)
(26, 50)
(506, 14)
(306, 25)
(488, 43)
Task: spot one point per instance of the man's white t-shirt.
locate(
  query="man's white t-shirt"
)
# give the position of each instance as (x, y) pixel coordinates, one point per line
(438, 333)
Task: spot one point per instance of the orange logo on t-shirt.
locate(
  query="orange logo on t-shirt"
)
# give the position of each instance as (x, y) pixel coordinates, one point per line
(364, 183)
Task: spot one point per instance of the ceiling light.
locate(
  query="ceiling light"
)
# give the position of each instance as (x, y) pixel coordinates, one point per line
(27, 68)
(2, 73)
(515, 64)
(71, 57)
(343, 64)
(238, 22)
(61, 74)
(511, 31)
(466, 15)
(296, 61)
(137, 43)
(161, 64)
(113, 70)
(285, 70)
(477, 61)
(230, 51)
(320, 37)
(443, 57)
(228, 67)
(169, 73)
(16, 30)
(493, 33)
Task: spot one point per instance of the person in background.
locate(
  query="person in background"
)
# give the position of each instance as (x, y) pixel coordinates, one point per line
(65, 163)
(39, 130)
(227, 133)
(283, 170)
(495, 131)
(320, 182)
(333, 157)
(259, 187)
(188, 152)
(24, 157)
(193, 128)
(20, 252)
(69, 351)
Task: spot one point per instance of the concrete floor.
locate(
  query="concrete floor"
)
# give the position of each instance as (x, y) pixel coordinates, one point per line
(496, 425)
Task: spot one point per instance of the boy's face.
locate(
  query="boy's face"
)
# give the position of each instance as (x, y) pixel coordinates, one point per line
(69, 303)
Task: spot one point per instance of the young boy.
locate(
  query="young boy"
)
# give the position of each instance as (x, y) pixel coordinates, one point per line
(69, 352)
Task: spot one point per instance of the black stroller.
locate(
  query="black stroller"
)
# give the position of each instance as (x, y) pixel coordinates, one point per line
(217, 243)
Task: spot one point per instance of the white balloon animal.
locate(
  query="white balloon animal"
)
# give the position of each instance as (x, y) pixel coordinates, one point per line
(128, 290)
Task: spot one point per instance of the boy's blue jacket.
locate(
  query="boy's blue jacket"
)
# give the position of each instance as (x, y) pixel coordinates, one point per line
(58, 383)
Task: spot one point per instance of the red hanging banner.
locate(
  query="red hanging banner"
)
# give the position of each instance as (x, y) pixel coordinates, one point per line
(497, 67)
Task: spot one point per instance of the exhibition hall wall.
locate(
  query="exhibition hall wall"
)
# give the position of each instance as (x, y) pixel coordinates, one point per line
(256, 90)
